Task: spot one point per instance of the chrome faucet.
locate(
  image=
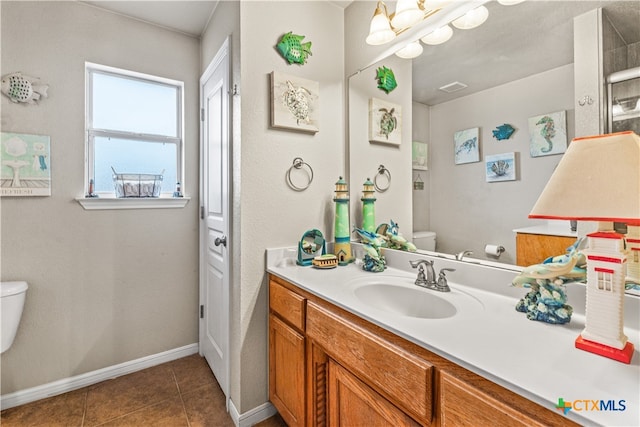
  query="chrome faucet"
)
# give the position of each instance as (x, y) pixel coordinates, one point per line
(428, 280)
(462, 254)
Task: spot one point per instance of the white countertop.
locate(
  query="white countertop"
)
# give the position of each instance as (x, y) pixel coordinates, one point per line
(489, 337)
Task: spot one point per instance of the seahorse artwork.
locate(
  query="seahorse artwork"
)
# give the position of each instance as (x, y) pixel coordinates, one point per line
(548, 131)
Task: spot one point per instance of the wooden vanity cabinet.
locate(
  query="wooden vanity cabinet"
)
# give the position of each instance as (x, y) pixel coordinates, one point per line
(329, 367)
(534, 248)
(287, 353)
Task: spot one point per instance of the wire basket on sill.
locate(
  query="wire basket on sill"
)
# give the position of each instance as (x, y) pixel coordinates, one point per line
(137, 184)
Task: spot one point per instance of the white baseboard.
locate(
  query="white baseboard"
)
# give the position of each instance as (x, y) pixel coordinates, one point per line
(65, 385)
(254, 416)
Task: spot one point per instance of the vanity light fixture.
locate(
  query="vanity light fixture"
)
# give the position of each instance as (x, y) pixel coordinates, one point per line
(438, 36)
(598, 179)
(509, 2)
(472, 19)
(411, 50)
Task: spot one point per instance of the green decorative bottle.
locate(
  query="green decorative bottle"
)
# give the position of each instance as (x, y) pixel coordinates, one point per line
(342, 247)
(368, 209)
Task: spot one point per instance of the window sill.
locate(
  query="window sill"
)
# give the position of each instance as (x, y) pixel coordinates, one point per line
(89, 203)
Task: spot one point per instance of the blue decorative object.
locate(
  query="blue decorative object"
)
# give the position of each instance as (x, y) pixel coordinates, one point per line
(546, 301)
(310, 246)
(392, 237)
(503, 132)
(373, 260)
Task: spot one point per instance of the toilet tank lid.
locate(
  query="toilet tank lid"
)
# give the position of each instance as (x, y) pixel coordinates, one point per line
(12, 288)
(422, 234)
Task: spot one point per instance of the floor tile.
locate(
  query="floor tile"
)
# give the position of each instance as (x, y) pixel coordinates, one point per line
(192, 372)
(206, 407)
(169, 413)
(129, 393)
(275, 421)
(63, 410)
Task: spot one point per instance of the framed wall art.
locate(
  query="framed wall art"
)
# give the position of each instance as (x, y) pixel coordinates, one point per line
(548, 134)
(294, 103)
(419, 155)
(466, 146)
(25, 165)
(385, 122)
(500, 167)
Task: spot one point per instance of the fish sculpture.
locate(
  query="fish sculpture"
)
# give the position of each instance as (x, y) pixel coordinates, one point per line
(386, 79)
(23, 89)
(292, 49)
(503, 132)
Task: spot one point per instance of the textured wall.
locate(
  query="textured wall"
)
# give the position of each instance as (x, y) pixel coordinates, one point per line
(106, 287)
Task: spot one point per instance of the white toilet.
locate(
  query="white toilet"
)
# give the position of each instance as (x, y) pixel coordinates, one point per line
(11, 302)
(425, 240)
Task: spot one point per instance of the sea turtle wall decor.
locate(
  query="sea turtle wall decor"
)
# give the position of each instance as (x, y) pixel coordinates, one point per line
(292, 49)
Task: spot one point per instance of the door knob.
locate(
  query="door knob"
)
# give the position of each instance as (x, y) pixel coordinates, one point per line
(221, 241)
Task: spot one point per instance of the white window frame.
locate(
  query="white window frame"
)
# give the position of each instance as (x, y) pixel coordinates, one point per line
(108, 200)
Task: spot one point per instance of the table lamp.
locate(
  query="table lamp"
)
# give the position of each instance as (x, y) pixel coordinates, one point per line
(598, 179)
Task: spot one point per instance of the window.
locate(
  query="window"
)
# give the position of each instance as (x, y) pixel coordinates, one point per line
(605, 279)
(134, 125)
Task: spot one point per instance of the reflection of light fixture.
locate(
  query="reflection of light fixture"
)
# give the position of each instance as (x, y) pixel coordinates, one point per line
(598, 179)
(472, 19)
(412, 50)
(509, 2)
(438, 36)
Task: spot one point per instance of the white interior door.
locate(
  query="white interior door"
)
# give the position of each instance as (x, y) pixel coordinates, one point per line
(214, 222)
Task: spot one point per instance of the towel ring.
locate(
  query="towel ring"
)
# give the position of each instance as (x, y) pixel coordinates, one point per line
(298, 163)
(382, 171)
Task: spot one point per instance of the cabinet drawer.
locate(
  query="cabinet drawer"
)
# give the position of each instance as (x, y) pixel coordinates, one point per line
(401, 377)
(287, 304)
(462, 404)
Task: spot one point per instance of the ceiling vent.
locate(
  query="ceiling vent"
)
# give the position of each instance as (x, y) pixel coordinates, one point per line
(453, 87)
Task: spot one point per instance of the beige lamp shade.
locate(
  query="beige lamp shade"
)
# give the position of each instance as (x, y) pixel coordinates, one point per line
(597, 179)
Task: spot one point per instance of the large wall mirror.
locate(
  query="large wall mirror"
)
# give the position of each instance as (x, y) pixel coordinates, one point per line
(516, 67)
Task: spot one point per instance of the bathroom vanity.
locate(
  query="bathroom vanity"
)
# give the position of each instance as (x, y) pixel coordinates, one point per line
(537, 243)
(344, 352)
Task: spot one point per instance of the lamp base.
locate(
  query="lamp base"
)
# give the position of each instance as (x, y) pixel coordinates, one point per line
(623, 355)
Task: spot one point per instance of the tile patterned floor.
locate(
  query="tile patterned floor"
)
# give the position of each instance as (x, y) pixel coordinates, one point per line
(183, 392)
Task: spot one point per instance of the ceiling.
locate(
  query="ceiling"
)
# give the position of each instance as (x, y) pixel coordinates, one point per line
(515, 42)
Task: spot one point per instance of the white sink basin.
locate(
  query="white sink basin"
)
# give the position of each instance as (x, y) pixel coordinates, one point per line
(406, 301)
(400, 296)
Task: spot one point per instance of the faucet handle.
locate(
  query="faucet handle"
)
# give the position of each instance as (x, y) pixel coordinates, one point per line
(442, 285)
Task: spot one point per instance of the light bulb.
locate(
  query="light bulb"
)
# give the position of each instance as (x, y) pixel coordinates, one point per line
(412, 50)
(438, 36)
(472, 19)
(380, 31)
(407, 14)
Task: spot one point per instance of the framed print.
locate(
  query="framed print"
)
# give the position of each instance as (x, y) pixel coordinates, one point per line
(467, 146)
(385, 122)
(294, 103)
(419, 156)
(26, 165)
(548, 134)
(500, 167)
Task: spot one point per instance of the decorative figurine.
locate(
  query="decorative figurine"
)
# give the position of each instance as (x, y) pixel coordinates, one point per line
(546, 301)
(291, 48)
(373, 259)
(325, 261)
(91, 193)
(342, 246)
(178, 192)
(310, 246)
(386, 79)
(368, 209)
(503, 132)
(20, 88)
(393, 238)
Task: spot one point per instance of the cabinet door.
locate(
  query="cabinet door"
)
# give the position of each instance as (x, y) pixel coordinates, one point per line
(353, 403)
(286, 371)
(534, 248)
